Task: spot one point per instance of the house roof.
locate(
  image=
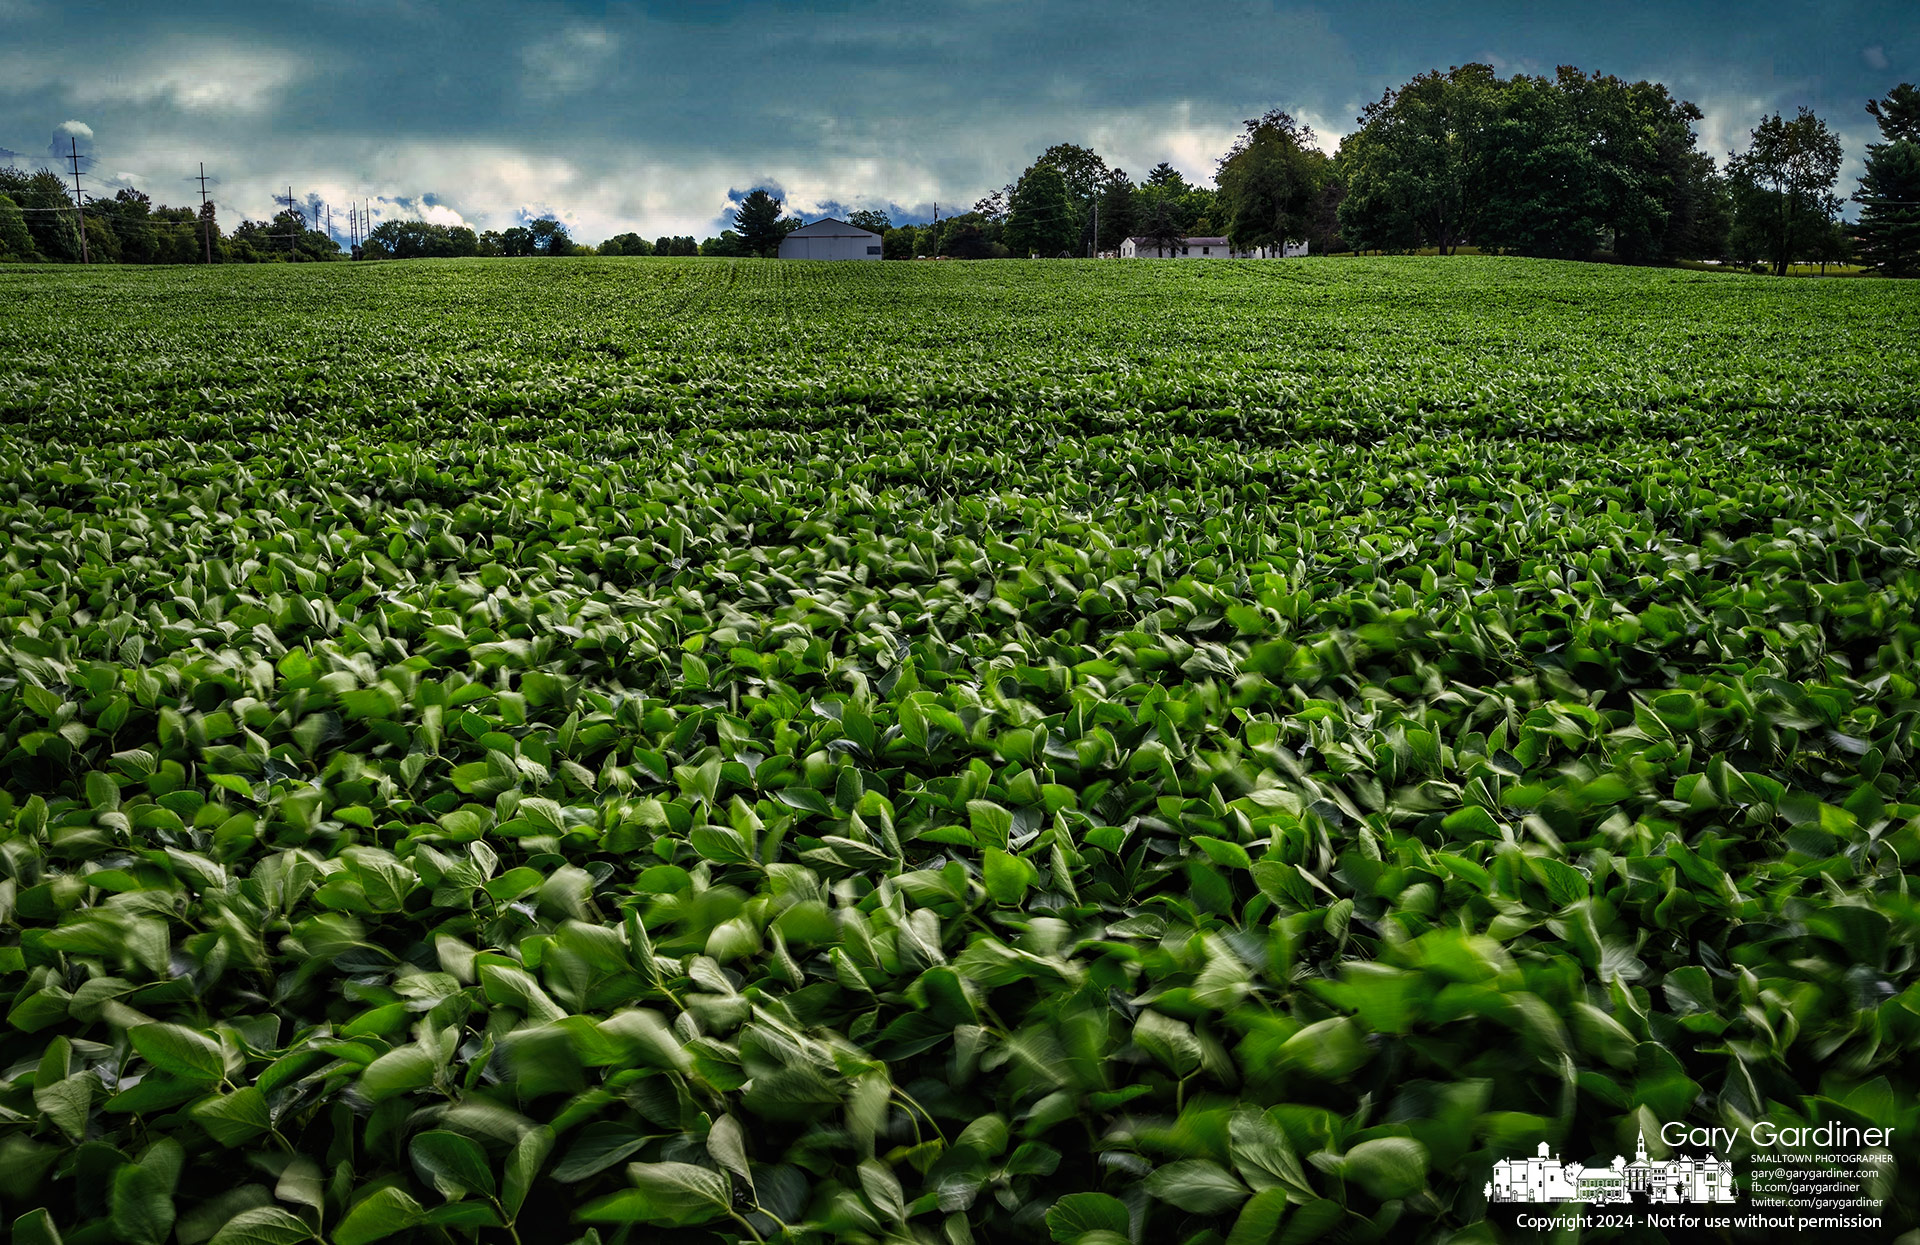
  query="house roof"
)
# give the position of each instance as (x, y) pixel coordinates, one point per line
(831, 228)
(1144, 241)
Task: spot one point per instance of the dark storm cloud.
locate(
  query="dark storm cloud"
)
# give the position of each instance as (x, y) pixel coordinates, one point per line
(646, 116)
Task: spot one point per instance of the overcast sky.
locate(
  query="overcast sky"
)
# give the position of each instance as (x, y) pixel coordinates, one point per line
(616, 116)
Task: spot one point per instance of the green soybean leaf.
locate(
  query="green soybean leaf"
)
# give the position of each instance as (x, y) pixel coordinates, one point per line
(142, 1211)
(1388, 1167)
(1262, 1154)
(1007, 876)
(1197, 1185)
(36, 1227)
(1260, 1218)
(234, 1119)
(379, 1215)
(529, 1155)
(451, 1162)
(399, 1071)
(597, 1147)
(669, 1194)
(179, 1050)
(1076, 1214)
(1168, 1040)
(263, 1225)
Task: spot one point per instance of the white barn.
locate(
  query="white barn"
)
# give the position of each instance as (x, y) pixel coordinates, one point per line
(1206, 248)
(830, 239)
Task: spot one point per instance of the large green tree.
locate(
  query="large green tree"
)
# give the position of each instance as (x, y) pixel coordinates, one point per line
(1268, 181)
(1783, 188)
(550, 237)
(418, 239)
(16, 243)
(626, 244)
(1556, 166)
(1040, 217)
(1889, 194)
(1414, 165)
(44, 201)
(1655, 187)
(1082, 168)
(1540, 186)
(970, 236)
(1085, 173)
(897, 243)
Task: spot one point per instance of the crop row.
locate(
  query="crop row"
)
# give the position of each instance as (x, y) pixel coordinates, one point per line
(1029, 815)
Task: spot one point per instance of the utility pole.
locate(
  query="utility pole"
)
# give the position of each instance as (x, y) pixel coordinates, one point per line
(206, 231)
(294, 224)
(1093, 248)
(79, 204)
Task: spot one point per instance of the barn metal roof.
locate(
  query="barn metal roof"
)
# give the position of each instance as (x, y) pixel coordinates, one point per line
(831, 228)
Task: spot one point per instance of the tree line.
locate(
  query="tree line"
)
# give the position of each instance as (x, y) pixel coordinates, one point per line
(1575, 166)
(38, 223)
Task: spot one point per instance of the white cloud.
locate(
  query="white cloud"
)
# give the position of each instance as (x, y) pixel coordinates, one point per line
(74, 129)
(1727, 121)
(439, 214)
(570, 62)
(196, 77)
(1875, 56)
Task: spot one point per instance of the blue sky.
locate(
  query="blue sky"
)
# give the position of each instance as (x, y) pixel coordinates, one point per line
(647, 116)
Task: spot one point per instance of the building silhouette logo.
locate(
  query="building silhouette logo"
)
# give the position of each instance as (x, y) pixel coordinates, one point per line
(1544, 1178)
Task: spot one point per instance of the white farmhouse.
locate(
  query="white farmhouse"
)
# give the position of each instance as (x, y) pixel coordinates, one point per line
(1206, 248)
(830, 239)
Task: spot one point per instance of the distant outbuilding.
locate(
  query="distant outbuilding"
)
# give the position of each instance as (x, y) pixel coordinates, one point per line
(830, 239)
(1206, 248)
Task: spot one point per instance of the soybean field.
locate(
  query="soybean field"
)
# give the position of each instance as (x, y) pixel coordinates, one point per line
(656, 750)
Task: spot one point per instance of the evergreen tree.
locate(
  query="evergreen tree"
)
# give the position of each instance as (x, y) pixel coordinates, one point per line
(1164, 176)
(1116, 211)
(758, 223)
(1159, 224)
(1889, 195)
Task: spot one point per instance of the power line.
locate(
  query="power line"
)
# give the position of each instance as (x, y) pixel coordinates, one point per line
(295, 213)
(79, 204)
(205, 223)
